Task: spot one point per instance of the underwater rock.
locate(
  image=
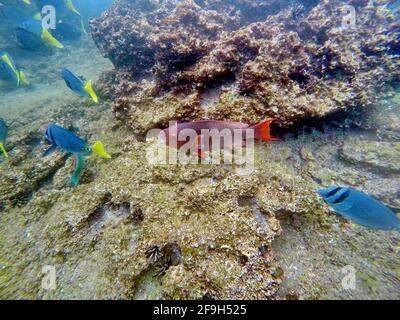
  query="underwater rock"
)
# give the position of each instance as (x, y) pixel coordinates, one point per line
(298, 64)
(383, 157)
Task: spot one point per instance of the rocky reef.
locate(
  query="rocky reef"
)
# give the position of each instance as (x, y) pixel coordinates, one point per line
(135, 230)
(139, 231)
(301, 63)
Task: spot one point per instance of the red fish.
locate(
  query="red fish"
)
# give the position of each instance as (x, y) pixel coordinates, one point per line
(202, 129)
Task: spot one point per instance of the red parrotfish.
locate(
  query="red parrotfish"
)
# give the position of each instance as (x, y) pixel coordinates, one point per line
(203, 131)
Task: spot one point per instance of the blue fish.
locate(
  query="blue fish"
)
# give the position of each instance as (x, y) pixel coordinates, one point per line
(69, 142)
(83, 89)
(34, 27)
(29, 40)
(360, 208)
(3, 136)
(9, 72)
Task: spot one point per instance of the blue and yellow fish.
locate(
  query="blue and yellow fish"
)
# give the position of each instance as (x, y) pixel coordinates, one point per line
(360, 208)
(31, 32)
(9, 72)
(83, 89)
(67, 141)
(3, 136)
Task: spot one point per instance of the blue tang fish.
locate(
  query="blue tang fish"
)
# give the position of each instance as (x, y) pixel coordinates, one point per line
(3, 136)
(69, 142)
(360, 208)
(9, 72)
(34, 26)
(83, 89)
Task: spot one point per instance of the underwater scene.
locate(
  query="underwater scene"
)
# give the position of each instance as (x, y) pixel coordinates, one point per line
(200, 149)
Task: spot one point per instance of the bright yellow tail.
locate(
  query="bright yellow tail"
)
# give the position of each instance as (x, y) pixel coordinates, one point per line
(23, 79)
(4, 150)
(70, 6)
(46, 36)
(89, 89)
(38, 16)
(7, 60)
(98, 148)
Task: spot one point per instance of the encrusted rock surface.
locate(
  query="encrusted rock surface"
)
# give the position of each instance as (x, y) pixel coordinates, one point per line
(298, 64)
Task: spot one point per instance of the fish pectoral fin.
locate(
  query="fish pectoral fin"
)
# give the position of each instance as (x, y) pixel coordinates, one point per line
(47, 37)
(89, 89)
(3, 150)
(98, 148)
(49, 151)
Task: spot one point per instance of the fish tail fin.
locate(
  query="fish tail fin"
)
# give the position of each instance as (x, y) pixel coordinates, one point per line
(89, 89)
(37, 16)
(83, 27)
(3, 150)
(23, 79)
(8, 61)
(47, 37)
(70, 6)
(262, 131)
(26, 1)
(98, 148)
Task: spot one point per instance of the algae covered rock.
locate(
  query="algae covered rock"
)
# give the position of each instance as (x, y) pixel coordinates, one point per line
(296, 63)
(381, 156)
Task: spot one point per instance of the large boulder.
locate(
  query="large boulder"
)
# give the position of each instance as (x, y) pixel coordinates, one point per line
(300, 63)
